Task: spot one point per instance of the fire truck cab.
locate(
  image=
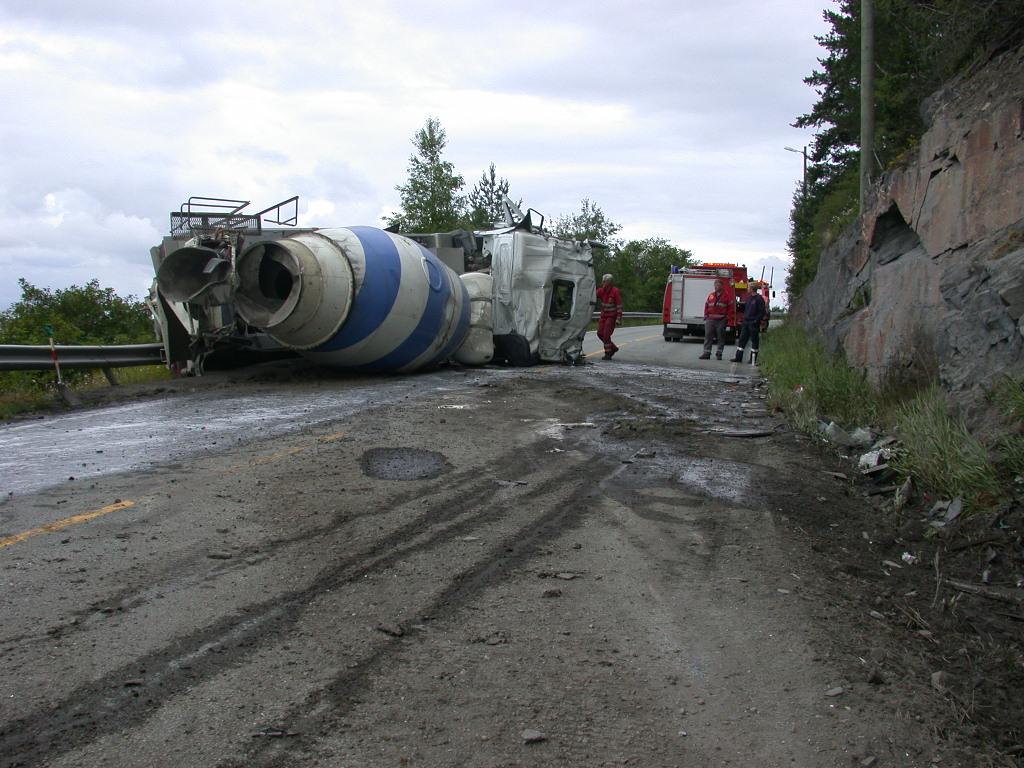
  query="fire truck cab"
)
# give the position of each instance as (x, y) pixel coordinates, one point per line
(687, 290)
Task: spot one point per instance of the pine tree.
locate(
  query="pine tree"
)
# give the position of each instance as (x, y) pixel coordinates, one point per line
(485, 199)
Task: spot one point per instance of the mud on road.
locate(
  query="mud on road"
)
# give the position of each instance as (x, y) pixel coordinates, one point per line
(554, 567)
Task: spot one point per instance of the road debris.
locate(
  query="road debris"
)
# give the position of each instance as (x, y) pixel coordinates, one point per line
(276, 733)
(395, 630)
(941, 681)
(532, 736)
(834, 692)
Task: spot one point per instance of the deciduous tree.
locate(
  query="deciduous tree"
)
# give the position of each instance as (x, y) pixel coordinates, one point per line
(431, 199)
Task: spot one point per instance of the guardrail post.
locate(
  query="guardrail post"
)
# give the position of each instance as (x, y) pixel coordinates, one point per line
(111, 378)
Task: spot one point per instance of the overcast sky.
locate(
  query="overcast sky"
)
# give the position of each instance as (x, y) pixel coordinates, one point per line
(672, 116)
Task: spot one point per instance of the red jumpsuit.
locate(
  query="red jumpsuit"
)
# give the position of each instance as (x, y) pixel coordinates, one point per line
(610, 301)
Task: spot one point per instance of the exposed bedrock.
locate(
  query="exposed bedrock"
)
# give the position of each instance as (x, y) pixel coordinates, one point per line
(930, 280)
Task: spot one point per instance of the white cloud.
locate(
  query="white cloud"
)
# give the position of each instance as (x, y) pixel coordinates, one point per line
(671, 116)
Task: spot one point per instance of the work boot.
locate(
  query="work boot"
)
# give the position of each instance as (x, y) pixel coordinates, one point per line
(607, 356)
(718, 355)
(753, 357)
(738, 357)
(705, 356)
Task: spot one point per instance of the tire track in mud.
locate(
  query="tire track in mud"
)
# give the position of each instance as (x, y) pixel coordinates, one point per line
(526, 543)
(193, 563)
(106, 706)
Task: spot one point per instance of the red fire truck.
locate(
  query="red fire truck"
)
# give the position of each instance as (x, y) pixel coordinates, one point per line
(688, 289)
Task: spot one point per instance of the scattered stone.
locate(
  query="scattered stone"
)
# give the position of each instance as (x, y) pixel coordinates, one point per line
(532, 736)
(833, 692)
(861, 437)
(468, 538)
(837, 475)
(566, 576)
(903, 494)
(908, 558)
(940, 681)
(868, 761)
(956, 506)
(220, 555)
(782, 591)
(891, 564)
(876, 615)
(390, 629)
(134, 683)
(552, 593)
(875, 676)
(645, 453)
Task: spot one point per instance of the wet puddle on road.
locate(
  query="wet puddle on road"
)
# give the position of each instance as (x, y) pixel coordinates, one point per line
(404, 463)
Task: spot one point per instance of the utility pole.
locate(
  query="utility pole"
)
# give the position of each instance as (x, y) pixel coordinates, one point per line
(867, 96)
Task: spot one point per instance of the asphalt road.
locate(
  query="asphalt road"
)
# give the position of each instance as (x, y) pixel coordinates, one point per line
(550, 566)
(645, 344)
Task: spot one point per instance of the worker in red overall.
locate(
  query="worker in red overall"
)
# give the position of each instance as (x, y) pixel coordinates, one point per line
(716, 313)
(609, 299)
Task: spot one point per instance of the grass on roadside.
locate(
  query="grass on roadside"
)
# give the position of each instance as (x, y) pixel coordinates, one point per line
(29, 391)
(937, 449)
(810, 384)
(941, 454)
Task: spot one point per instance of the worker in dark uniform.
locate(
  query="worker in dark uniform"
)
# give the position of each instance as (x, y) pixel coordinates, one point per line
(609, 299)
(716, 313)
(754, 313)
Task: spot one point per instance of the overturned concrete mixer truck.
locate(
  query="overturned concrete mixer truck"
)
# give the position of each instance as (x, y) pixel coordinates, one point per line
(234, 287)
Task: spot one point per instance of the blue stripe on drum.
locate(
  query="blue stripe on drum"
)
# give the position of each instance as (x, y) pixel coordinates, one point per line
(382, 277)
(429, 326)
(461, 329)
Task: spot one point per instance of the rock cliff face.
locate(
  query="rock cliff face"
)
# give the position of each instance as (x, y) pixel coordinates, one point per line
(930, 280)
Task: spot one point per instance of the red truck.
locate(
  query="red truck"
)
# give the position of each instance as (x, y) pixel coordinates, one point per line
(686, 292)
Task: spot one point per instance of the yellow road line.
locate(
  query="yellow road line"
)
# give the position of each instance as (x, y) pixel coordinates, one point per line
(66, 522)
(627, 343)
(87, 516)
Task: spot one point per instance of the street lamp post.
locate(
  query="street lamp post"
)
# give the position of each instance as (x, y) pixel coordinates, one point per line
(803, 184)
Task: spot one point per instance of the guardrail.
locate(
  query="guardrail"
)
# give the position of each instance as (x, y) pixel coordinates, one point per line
(18, 357)
(596, 315)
